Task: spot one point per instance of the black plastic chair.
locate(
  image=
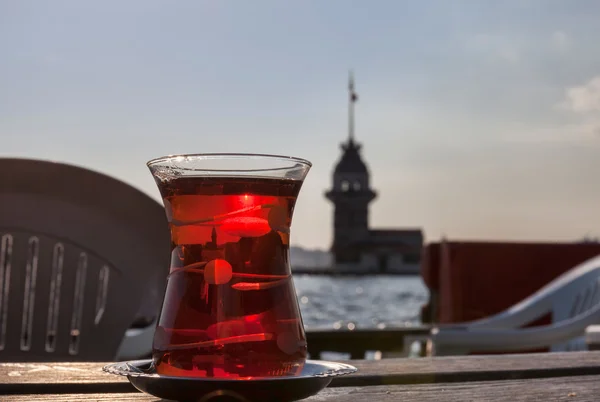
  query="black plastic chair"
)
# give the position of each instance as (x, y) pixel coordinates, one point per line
(82, 257)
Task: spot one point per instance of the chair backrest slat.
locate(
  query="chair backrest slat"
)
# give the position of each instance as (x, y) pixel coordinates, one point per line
(54, 296)
(103, 278)
(5, 267)
(31, 269)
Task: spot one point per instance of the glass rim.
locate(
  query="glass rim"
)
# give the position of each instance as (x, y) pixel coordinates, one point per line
(224, 155)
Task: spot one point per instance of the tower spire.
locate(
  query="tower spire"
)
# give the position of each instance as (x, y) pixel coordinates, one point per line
(352, 98)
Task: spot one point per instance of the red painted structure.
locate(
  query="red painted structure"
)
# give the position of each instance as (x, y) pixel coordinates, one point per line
(472, 280)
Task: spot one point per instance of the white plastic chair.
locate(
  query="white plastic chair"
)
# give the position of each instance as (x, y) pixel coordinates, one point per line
(83, 257)
(573, 299)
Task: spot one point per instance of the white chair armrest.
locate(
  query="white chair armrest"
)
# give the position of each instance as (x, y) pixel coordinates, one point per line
(543, 301)
(482, 340)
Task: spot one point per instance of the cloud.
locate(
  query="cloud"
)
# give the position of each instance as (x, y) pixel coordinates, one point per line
(560, 41)
(583, 103)
(583, 99)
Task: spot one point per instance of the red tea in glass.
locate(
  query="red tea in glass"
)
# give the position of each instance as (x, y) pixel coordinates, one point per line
(230, 308)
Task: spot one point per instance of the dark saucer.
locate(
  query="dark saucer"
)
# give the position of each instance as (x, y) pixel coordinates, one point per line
(315, 376)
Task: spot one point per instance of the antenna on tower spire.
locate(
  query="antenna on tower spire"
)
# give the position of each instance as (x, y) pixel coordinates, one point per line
(352, 98)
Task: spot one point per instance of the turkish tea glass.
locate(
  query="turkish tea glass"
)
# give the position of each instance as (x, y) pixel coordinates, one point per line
(230, 308)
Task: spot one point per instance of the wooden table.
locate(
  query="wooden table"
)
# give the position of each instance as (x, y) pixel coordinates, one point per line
(538, 377)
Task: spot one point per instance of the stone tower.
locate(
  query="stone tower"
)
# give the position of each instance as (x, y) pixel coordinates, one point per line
(350, 194)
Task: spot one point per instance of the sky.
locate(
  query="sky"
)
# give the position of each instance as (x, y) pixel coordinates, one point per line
(478, 119)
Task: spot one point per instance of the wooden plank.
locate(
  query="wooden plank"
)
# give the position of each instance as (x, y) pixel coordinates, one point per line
(88, 377)
(130, 396)
(567, 389)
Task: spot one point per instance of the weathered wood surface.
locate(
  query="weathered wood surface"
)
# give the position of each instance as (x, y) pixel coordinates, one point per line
(358, 341)
(18, 378)
(571, 389)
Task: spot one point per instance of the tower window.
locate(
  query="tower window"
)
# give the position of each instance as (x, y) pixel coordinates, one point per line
(356, 186)
(345, 185)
